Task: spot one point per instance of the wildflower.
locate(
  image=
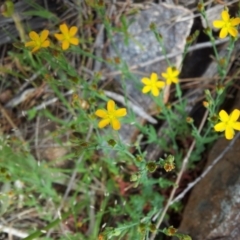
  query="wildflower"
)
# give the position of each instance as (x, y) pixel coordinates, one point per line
(100, 237)
(38, 41)
(151, 166)
(142, 227)
(189, 120)
(205, 104)
(227, 25)
(171, 75)
(228, 123)
(110, 115)
(171, 231)
(168, 167)
(152, 227)
(169, 163)
(152, 84)
(67, 36)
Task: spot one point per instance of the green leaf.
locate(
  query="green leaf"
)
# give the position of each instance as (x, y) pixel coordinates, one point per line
(32, 113)
(41, 13)
(165, 183)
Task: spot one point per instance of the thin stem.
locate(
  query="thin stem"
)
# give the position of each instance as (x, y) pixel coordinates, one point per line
(175, 187)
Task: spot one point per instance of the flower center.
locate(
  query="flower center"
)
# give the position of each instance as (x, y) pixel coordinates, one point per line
(111, 115)
(228, 25)
(38, 43)
(153, 84)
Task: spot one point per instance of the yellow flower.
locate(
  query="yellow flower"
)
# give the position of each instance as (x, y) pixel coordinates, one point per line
(227, 25)
(38, 41)
(228, 123)
(171, 75)
(169, 167)
(67, 36)
(152, 84)
(110, 115)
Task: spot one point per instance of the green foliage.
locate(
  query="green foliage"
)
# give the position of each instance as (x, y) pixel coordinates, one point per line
(114, 184)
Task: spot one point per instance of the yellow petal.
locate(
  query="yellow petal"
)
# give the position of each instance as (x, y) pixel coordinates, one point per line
(146, 89)
(235, 21)
(44, 35)
(236, 126)
(102, 113)
(103, 123)
(218, 24)
(35, 49)
(223, 32)
(175, 80)
(34, 36)
(225, 16)
(45, 43)
(229, 133)
(234, 115)
(59, 37)
(233, 31)
(110, 106)
(74, 41)
(65, 45)
(175, 73)
(160, 84)
(169, 71)
(154, 77)
(73, 31)
(30, 44)
(64, 29)
(220, 127)
(155, 91)
(169, 81)
(146, 81)
(223, 116)
(165, 75)
(121, 112)
(115, 124)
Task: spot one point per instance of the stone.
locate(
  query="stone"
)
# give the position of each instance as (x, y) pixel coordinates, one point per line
(212, 211)
(141, 51)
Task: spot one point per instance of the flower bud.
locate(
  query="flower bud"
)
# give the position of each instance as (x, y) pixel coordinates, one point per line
(189, 120)
(152, 26)
(151, 166)
(142, 227)
(220, 89)
(152, 227)
(205, 104)
(134, 178)
(111, 142)
(200, 7)
(171, 231)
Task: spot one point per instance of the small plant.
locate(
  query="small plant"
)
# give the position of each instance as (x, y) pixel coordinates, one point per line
(103, 187)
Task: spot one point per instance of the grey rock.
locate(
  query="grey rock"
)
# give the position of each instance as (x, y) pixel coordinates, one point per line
(143, 48)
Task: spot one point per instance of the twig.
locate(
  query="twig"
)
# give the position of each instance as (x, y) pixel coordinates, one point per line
(49, 102)
(184, 165)
(208, 169)
(14, 127)
(13, 231)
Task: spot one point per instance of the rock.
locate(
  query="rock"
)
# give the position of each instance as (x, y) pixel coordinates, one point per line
(142, 50)
(212, 211)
